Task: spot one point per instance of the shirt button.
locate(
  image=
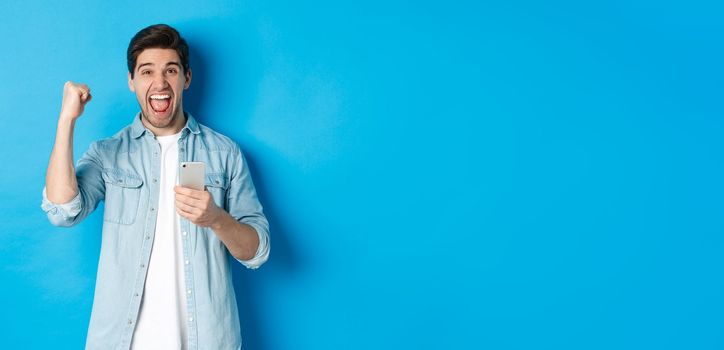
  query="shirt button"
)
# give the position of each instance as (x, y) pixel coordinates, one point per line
(152, 209)
(191, 319)
(130, 321)
(135, 294)
(187, 262)
(143, 265)
(184, 233)
(148, 237)
(188, 291)
(154, 180)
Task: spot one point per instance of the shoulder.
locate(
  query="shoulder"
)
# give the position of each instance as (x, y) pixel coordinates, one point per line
(120, 142)
(214, 141)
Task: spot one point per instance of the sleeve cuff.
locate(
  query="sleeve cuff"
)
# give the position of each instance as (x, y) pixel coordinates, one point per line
(66, 210)
(262, 252)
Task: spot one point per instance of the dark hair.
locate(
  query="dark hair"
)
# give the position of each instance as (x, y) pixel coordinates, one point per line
(157, 36)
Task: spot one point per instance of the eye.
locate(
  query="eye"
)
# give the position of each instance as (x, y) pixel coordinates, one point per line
(145, 72)
(171, 71)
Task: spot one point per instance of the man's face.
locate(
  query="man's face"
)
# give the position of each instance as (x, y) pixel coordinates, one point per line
(158, 83)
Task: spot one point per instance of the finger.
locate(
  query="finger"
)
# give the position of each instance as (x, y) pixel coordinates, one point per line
(194, 218)
(187, 208)
(186, 215)
(188, 200)
(82, 88)
(190, 192)
(85, 97)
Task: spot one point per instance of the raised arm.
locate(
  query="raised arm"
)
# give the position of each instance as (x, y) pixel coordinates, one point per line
(60, 180)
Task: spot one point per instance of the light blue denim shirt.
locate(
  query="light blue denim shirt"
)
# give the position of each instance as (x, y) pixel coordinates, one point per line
(124, 172)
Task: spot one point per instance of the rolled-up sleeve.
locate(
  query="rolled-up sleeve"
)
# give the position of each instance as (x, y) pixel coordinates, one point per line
(243, 204)
(262, 253)
(61, 214)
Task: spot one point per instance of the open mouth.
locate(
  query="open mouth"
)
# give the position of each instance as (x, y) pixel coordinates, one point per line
(160, 103)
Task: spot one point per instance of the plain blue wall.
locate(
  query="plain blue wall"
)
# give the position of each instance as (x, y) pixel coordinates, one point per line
(476, 175)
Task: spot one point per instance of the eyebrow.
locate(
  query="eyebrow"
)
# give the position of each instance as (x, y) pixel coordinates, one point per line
(173, 63)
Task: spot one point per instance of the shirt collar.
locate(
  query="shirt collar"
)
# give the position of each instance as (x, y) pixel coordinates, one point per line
(137, 127)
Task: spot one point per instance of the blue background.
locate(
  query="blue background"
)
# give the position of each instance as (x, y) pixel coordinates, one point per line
(469, 175)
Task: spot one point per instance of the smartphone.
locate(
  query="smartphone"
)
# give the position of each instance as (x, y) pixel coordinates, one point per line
(192, 174)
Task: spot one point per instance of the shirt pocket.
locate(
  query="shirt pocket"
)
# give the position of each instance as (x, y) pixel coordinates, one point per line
(123, 193)
(217, 184)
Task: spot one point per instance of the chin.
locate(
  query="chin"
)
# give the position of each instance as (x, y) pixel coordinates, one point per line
(162, 122)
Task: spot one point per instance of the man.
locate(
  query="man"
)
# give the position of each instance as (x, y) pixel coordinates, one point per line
(164, 273)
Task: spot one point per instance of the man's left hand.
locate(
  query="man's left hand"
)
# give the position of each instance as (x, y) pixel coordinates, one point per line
(197, 206)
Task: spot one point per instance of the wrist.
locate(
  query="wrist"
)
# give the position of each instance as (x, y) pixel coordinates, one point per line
(218, 223)
(66, 120)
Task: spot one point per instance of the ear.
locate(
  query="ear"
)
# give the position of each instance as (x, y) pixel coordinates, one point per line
(188, 79)
(130, 83)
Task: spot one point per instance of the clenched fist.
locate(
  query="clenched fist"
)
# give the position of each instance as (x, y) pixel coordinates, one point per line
(75, 97)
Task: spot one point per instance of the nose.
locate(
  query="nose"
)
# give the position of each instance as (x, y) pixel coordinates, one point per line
(159, 81)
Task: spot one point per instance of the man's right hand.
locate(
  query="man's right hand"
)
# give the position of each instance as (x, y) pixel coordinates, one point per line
(75, 97)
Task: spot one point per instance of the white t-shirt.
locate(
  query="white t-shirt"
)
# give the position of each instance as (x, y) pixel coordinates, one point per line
(162, 318)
